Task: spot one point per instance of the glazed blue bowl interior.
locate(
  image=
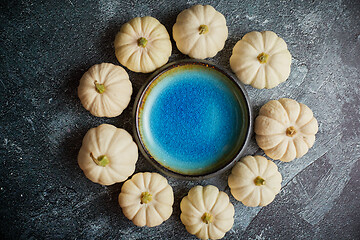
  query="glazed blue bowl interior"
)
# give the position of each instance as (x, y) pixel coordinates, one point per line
(192, 119)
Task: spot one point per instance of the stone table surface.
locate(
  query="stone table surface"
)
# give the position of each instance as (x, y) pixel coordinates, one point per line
(46, 46)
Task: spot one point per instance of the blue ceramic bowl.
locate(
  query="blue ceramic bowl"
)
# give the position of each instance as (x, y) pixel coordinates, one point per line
(192, 119)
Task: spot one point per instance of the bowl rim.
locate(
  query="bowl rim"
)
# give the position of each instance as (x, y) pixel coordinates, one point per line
(138, 103)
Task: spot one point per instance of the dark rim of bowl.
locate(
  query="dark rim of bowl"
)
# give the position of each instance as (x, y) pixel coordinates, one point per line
(138, 102)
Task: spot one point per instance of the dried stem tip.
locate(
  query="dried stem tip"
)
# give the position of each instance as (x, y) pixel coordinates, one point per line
(203, 29)
(145, 197)
(259, 181)
(142, 42)
(101, 160)
(290, 131)
(100, 88)
(207, 218)
(263, 57)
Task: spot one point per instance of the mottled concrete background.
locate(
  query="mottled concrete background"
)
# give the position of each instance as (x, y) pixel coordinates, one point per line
(46, 46)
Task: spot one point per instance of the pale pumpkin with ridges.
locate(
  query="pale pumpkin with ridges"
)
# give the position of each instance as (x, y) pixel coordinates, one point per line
(261, 59)
(285, 129)
(200, 31)
(108, 155)
(207, 212)
(255, 181)
(143, 44)
(146, 199)
(105, 90)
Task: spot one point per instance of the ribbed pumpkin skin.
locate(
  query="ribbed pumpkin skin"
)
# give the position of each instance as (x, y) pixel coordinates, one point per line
(273, 123)
(245, 63)
(143, 59)
(117, 93)
(242, 181)
(150, 214)
(208, 199)
(186, 32)
(118, 145)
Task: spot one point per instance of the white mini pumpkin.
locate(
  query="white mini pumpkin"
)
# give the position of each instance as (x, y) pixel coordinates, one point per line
(200, 31)
(105, 90)
(255, 181)
(285, 129)
(261, 59)
(207, 212)
(143, 44)
(108, 155)
(146, 199)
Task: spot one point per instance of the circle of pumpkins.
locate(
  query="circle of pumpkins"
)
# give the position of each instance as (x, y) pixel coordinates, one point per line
(284, 128)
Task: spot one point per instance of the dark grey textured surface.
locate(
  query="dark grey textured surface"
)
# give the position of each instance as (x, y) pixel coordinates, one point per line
(46, 47)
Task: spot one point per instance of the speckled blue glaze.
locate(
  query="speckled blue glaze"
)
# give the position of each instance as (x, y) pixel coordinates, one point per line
(192, 119)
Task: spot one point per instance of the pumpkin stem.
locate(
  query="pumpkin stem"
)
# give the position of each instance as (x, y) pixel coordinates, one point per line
(207, 218)
(263, 57)
(142, 42)
(101, 160)
(100, 88)
(290, 131)
(259, 181)
(203, 29)
(146, 197)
